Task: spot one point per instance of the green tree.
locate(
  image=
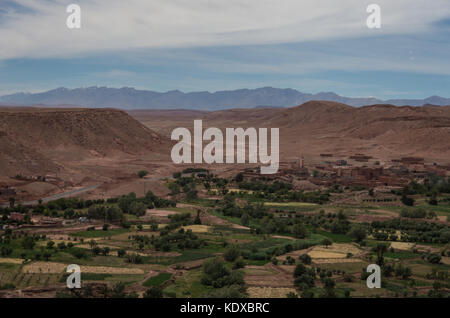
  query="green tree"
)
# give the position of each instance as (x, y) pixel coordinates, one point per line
(433, 258)
(239, 177)
(299, 231)
(232, 253)
(326, 242)
(197, 219)
(357, 232)
(142, 173)
(329, 288)
(245, 219)
(305, 259)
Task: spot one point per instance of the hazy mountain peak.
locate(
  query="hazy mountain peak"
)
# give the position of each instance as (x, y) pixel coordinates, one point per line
(131, 98)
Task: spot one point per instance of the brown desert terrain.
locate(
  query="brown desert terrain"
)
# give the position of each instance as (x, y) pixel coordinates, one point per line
(381, 131)
(46, 151)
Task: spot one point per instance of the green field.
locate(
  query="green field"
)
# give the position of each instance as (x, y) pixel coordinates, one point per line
(157, 280)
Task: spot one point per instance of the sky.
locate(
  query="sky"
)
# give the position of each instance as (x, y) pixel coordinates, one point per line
(210, 45)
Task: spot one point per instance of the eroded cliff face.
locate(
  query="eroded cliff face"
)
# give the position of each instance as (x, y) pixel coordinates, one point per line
(38, 140)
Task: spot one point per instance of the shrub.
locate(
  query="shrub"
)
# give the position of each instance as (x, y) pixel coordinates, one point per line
(305, 259)
(142, 173)
(239, 264)
(433, 258)
(232, 253)
(153, 292)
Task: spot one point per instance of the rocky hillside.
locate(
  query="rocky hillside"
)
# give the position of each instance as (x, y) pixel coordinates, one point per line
(322, 126)
(36, 140)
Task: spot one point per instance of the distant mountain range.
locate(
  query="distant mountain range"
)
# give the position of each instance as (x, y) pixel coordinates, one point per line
(130, 98)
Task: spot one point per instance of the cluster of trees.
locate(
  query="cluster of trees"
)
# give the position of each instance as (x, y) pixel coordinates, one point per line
(181, 239)
(358, 232)
(432, 185)
(96, 250)
(407, 200)
(176, 221)
(65, 207)
(70, 203)
(268, 249)
(137, 206)
(52, 208)
(152, 201)
(168, 239)
(111, 209)
(196, 170)
(281, 194)
(187, 185)
(338, 223)
(228, 207)
(109, 213)
(229, 283)
(433, 258)
(258, 217)
(256, 185)
(411, 231)
(305, 278)
(418, 213)
(23, 245)
(399, 270)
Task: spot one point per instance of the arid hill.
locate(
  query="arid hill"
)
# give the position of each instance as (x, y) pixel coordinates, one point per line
(383, 131)
(44, 140)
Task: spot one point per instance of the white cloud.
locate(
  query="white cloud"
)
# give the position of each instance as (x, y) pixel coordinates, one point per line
(117, 24)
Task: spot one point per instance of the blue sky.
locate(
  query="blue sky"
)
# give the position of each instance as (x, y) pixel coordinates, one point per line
(215, 45)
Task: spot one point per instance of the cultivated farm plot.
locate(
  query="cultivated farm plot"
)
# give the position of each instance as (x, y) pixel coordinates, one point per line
(11, 260)
(335, 253)
(56, 268)
(268, 276)
(445, 260)
(159, 213)
(269, 292)
(197, 228)
(258, 271)
(293, 254)
(336, 260)
(341, 248)
(325, 254)
(404, 246)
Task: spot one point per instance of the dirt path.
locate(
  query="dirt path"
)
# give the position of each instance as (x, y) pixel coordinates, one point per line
(59, 195)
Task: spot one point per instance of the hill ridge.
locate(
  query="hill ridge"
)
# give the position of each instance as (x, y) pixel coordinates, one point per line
(131, 98)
